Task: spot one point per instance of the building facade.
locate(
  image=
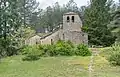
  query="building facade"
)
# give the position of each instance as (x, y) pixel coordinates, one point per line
(71, 30)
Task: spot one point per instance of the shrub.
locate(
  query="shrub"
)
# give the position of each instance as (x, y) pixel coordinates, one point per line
(114, 57)
(48, 50)
(8, 47)
(82, 50)
(64, 48)
(70, 43)
(32, 53)
(61, 48)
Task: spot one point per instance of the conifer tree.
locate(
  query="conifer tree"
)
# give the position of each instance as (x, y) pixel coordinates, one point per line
(97, 17)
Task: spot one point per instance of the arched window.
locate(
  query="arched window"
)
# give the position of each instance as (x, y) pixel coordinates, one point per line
(73, 19)
(68, 19)
(51, 41)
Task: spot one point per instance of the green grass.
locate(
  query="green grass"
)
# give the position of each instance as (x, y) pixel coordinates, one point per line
(105, 52)
(57, 67)
(102, 68)
(45, 67)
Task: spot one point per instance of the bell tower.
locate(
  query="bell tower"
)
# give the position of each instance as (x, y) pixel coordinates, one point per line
(71, 22)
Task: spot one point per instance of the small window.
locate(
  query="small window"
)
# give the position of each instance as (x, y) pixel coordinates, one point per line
(63, 37)
(51, 41)
(36, 42)
(73, 19)
(82, 34)
(68, 19)
(83, 42)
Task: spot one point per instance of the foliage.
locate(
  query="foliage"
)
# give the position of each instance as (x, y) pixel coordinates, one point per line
(115, 24)
(24, 33)
(64, 48)
(26, 9)
(51, 17)
(8, 47)
(61, 48)
(9, 18)
(114, 57)
(48, 50)
(82, 50)
(97, 17)
(13, 14)
(32, 53)
(2, 49)
(10, 21)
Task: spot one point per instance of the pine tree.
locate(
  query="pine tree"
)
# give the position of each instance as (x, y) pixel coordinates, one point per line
(97, 17)
(27, 9)
(115, 24)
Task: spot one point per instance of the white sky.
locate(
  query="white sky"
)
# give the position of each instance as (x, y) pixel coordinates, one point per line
(45, 3)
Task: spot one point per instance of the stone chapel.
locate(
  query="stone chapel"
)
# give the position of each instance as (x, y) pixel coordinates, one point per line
(69, 30)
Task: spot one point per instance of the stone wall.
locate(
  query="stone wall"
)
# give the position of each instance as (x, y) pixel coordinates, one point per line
(33, 40)
(76, 37)
(72, 26)
(70, 31)
(51, 39)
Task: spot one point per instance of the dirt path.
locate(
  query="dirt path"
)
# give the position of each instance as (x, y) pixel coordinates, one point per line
(95, 52)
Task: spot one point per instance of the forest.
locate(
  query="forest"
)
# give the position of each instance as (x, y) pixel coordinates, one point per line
(21, 19)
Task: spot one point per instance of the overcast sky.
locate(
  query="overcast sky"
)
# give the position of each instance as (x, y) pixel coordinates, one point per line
(45, 3)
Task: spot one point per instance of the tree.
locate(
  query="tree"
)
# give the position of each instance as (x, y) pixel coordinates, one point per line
(71, 6)
(97, 17)
(9, 23)
(48, 17)
(82, 12)
(115, 24)
(57, 13)
(53, 15)
(35, 18)
(22, 34)
(27, 9)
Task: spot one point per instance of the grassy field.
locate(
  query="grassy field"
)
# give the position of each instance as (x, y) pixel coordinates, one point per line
(57, 67)
(45, 67)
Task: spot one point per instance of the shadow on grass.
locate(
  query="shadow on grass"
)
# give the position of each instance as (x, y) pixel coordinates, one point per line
(31, 58)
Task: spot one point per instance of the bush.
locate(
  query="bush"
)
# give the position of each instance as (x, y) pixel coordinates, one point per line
(82, 50)
(114, 57)
(8, 47)
(32, 53)
(61, 48)
(64, 48)
(48, 50)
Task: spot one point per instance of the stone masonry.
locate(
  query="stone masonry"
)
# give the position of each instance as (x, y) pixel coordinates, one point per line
(71, 30)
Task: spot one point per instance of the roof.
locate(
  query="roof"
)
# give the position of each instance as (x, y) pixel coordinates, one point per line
(33, 36)
(71, 13)
(36, 36)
